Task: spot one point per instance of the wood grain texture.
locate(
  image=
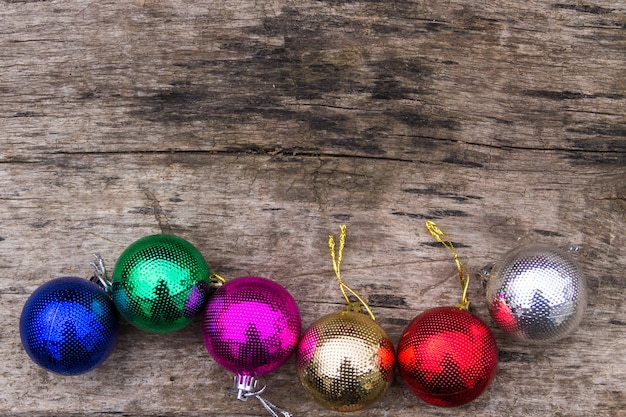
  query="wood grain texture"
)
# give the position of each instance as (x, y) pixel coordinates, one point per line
(254, 128)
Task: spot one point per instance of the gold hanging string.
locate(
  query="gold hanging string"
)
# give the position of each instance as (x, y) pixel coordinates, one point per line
(336, 257)
(441, 237)
(217, 279)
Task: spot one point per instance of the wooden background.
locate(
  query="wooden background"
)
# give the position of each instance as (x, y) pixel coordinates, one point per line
(255, 128)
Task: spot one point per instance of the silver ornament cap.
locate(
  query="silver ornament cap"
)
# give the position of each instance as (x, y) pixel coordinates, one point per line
(536, 293)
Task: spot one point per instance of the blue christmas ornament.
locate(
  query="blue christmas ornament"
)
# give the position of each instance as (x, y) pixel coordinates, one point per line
(69, 325)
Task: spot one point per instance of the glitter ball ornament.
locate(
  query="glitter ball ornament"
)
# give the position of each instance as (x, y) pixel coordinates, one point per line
(536, 293)
(447, 356)
(69, 326)
(251, 327)
(160, 283)
(345, 360)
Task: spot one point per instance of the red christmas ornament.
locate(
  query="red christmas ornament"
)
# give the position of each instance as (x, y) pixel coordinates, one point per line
(448, 356)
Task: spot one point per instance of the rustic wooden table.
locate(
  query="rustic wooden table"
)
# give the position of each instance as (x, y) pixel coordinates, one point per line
(255, 128)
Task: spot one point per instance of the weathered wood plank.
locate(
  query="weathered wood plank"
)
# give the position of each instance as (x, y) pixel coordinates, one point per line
(75, 205)
(253, 129)
(363, 78)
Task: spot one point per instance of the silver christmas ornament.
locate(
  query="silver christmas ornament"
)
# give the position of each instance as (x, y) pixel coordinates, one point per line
(536, 293)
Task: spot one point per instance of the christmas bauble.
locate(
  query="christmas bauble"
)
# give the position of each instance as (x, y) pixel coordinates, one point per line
(447, 356)
(69, 326)
(251, 325)
(160, 283)
(345, 361)
(536, 293)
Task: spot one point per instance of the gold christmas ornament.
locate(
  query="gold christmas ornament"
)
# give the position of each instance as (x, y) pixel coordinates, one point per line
(345, 360)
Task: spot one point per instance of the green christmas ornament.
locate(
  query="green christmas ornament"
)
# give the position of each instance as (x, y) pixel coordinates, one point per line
(160, 283)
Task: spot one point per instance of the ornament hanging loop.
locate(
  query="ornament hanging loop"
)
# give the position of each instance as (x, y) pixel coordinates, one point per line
(336, 257)
(100, 274)
(464, 277)
(245, 386)
(216, 279)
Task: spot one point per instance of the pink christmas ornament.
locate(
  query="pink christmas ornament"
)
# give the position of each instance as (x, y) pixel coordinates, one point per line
(251, 327)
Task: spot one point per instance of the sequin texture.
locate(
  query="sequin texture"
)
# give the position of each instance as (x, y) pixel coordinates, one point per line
(160, 283)
(251, 325)
(447, 356)
(536, 293)
(345, 361)
(69, 326)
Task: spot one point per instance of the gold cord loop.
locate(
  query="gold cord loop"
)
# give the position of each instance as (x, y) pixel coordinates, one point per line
(336, 258)
(441, 237)
(217, 280)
